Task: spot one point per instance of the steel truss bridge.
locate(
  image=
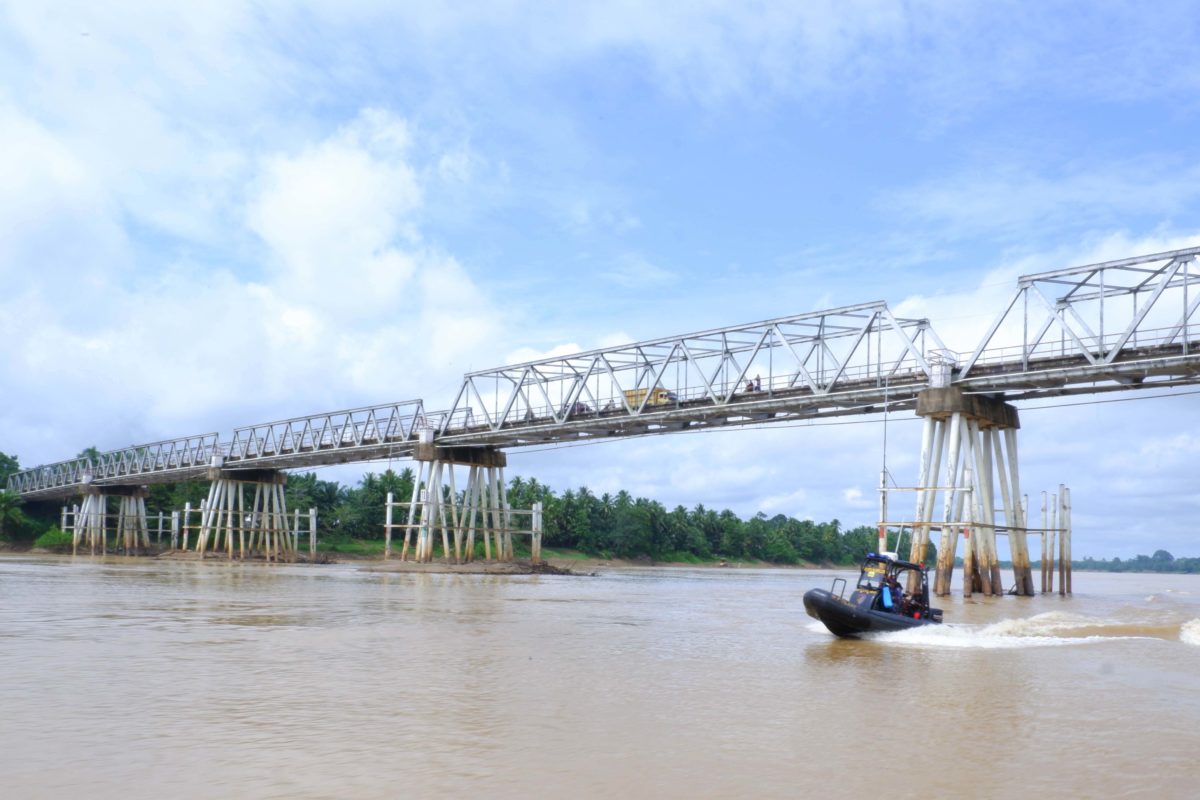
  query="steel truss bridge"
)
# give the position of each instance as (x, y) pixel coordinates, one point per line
(1114, 326)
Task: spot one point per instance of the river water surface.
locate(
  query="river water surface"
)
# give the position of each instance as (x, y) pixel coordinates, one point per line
(132, 679)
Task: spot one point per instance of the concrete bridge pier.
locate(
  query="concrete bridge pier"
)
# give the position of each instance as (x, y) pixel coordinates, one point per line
(90, 523)
(974, 436)
(236, 520)
(437, 509)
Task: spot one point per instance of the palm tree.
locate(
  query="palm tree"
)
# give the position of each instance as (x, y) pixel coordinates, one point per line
(11, 516)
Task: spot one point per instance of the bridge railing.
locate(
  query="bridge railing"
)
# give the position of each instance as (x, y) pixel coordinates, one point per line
(1019, 357)
(49, 476)
(170, 455)
(165, 456)
(1102, 316)
(769, 388)
(1097, 312)
(816, 354)
(356, 428)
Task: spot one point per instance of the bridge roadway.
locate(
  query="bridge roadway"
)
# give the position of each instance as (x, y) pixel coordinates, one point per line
(847, 361)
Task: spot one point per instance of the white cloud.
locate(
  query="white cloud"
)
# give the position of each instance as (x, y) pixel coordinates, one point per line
(616, 339)
(352, 309)
(853, 498)
(788, 503)
(633, 271)
(955, 56)
(216, 213)
(54, 211)
(1019, 201)
(962, 318)
(524, 355)
(332, 217)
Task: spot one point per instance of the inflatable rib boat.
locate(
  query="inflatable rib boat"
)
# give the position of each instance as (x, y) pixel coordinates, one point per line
(879, 602)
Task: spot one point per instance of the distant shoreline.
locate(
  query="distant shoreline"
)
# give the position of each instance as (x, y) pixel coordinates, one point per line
(550, 565)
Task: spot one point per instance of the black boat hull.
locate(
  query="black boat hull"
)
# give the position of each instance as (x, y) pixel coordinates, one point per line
(844, 619)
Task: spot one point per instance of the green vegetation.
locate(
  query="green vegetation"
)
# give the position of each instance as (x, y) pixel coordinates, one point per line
(351, 519)
(348, 546)
(577, 524)
(54, 539)
(12, 519)
(14, 524)
(1161, 561)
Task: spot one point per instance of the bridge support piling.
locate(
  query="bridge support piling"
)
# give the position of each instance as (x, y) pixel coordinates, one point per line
(948, 546)
(260, 529)
(981, 476)
(1051, 531)
(387, 527)
(1045, 562)
(439, 510)
(1015, 510)
(92, 520)
(1064, 540)
(535, 547)
(444, 513)
(74, 527)
(312, 536)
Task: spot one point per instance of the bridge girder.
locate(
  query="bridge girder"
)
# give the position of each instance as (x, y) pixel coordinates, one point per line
(1108, 315)
(1126, 324)
(808, 360)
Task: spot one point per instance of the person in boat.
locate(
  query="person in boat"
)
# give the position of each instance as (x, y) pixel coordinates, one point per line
(892, 595)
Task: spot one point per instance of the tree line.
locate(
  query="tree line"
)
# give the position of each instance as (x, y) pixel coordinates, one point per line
(1160, 561)
(607, 525)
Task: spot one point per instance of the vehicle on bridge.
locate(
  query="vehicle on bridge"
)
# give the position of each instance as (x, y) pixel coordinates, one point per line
(658, 397)
(879, 602)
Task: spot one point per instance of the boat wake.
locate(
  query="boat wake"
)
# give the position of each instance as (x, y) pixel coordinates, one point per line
(1052, 629)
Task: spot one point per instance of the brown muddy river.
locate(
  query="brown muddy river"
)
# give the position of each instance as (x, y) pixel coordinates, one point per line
(139, 679)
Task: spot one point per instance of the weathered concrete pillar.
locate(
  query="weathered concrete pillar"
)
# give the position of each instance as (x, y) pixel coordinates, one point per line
(974, 463)
(482, 507)
(93, 517)
(258, 526)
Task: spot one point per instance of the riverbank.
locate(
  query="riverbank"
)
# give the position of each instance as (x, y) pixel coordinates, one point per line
(555, 563)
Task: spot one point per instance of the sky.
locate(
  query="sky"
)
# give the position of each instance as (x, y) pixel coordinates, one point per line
(224, 213)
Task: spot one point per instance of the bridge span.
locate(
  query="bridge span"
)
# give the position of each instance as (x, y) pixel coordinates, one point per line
(1121, 325)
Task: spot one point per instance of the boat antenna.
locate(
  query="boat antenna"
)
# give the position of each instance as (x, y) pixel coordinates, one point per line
(883, 473)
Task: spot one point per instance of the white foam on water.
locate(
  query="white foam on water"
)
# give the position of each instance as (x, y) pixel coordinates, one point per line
(1051, 623)
(1189, 633)
(1052, 629)
(962, 637)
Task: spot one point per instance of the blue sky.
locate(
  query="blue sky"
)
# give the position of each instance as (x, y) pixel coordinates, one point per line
(223, 213)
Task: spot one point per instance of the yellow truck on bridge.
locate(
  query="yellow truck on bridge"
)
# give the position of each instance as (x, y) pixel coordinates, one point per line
(658, 397)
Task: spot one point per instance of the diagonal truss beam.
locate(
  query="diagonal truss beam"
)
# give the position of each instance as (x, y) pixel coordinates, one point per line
(826, 351)
(1149, 299)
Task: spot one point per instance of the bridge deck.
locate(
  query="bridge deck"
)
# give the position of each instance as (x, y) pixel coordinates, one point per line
(846, 361)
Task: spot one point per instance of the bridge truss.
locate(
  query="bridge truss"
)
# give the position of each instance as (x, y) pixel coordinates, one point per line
(357, 434)
(1126, 324)
(826, 362)
(158, 462)
(1115, 325)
